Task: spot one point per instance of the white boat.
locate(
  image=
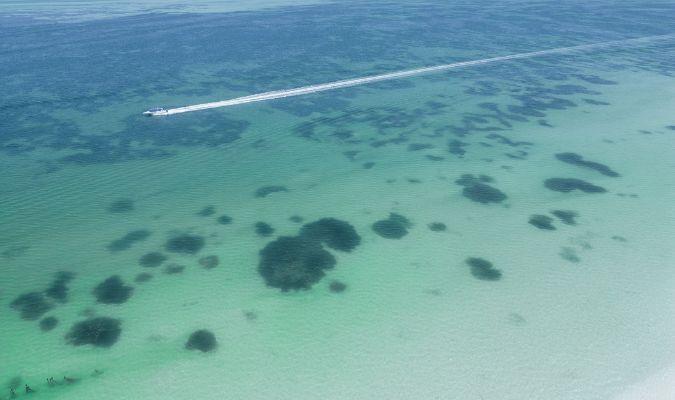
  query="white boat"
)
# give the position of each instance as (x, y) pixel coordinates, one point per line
(156, 112)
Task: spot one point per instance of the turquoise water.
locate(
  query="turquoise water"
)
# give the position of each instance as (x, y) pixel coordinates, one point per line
(496, 232)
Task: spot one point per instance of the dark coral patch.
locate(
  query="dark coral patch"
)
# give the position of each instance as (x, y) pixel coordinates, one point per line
(419, 146)
(48, 323)
(334, 233)
(437, 227)
(98, 331)
(267, 190)
(470, 179)
(482, 193)
(542, 222)
(578, 160)
(207, 211)
(209, 262)
(456, 147)
(337, 287)
(224, 220)
(152, 260)
(263, 229)
(120, 206)
(31, 305)
(58, 290)
(201, 340)
(128, 240)
(566, 185)
(368, 165)
(112, 291)
(142, 277)
(296, 218)
(483, 269)
(186, 244)
(173, 269)
(569, 254)
(293, 263)
(394, 227)
(566, 216)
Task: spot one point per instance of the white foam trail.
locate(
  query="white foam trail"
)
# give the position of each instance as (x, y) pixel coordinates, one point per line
(278, 94)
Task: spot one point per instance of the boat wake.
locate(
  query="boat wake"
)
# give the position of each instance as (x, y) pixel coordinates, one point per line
(278, 94)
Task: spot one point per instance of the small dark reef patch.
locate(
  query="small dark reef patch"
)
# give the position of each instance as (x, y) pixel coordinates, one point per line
(476, 189)
(48, 323)
(294, 263)
(98, 331)
(113, 291)
(128, 240)
(207, 211)
(120, 206)
(566, 216)
(173, 269)
(437, 227)
(263, 229)
(337, 287)
(201, 340)
(483, 269)
(578, 160)
(566, 185)
(394, 227)
(268, 190)
(152, 260)
(31, 306)
(58, 290)
(542, 222)
(334, 233)
(186, 244)
(224, 220)
(209, 262)
(142, 277)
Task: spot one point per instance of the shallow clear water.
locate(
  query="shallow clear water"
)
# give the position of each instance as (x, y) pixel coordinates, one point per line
(574, 306)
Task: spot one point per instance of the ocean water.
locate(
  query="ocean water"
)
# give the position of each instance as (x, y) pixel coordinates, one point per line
(461, 265)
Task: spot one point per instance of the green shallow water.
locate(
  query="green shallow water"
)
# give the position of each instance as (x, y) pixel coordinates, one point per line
(580, 312)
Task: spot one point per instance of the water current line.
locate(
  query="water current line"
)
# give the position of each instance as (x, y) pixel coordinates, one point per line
(278, 94)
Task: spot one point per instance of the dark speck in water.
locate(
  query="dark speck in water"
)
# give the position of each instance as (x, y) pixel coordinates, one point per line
(267, 190)
(173, 269)
(142, 277)
(207, 211)
(120, 206)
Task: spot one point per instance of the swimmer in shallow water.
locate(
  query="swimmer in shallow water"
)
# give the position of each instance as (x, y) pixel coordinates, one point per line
(28, 389)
